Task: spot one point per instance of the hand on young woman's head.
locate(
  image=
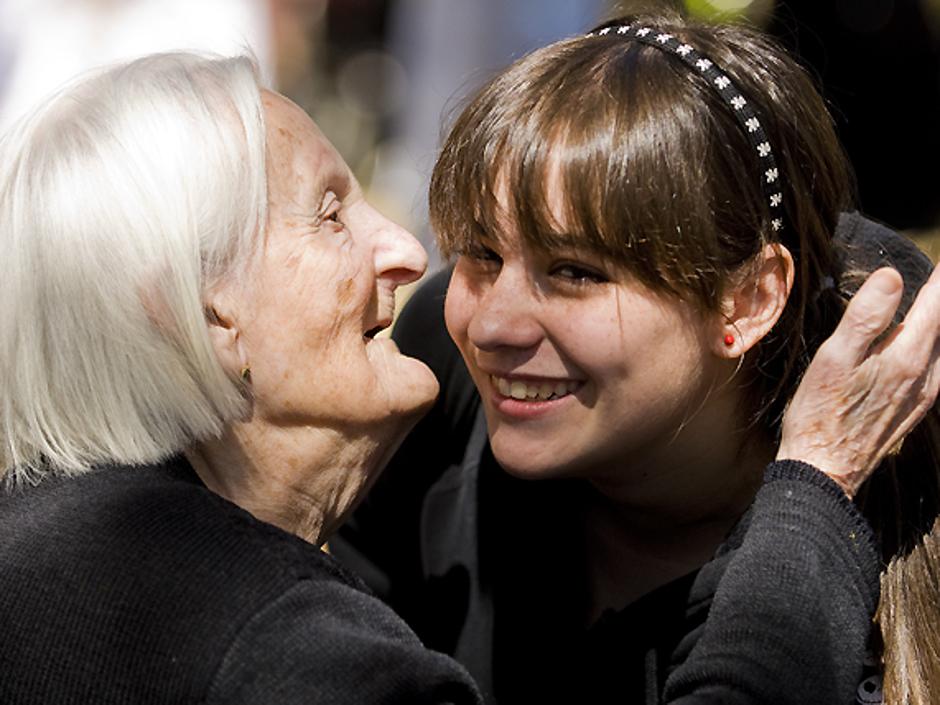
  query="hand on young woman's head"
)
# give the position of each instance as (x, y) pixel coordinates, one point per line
(861, 396)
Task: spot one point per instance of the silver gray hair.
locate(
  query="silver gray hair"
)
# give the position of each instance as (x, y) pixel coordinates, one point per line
(123, 198)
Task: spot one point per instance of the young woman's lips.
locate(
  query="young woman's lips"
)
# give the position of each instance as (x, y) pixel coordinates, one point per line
(530, 398)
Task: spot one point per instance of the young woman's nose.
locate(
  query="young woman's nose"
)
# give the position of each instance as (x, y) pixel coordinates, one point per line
(505, 314)
(398, 255)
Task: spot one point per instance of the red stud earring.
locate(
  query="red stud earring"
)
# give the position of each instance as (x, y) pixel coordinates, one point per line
(729, 340)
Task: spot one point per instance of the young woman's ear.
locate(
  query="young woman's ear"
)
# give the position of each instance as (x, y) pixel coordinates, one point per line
(752, 305)
(225, 335)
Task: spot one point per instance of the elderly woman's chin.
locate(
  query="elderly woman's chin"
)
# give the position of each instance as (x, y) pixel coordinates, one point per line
(406, 387)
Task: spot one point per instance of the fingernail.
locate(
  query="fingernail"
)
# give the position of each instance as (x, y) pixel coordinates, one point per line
(887, 284)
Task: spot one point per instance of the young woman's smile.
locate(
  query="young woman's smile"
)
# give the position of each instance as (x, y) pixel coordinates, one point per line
(530, 397)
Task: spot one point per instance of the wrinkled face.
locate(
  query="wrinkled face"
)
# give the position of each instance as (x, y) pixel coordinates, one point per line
(323, 285)
(581, 371)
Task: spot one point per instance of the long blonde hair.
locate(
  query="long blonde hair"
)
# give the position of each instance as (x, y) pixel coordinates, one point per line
(909, 612)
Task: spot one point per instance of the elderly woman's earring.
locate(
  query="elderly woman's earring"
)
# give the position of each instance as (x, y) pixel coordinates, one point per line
(729, 340)
(245, 374)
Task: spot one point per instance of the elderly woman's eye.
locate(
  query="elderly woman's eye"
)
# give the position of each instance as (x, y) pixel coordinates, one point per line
(331, 209)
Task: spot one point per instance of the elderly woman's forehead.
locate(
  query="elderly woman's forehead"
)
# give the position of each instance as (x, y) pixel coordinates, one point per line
(296, 147)
(289, 126)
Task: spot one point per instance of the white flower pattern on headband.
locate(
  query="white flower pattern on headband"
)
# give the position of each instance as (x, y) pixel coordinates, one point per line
(729, 92)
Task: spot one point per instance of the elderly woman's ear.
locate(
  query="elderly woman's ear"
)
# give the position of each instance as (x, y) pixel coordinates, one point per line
(225, 336)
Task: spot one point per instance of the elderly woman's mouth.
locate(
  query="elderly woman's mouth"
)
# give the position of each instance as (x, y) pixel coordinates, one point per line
(382, 323)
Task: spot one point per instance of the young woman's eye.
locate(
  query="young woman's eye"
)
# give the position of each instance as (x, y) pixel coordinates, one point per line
(482, 253)
(579, 274)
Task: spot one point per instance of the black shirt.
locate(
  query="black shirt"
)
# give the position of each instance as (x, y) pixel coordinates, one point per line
(137, 585)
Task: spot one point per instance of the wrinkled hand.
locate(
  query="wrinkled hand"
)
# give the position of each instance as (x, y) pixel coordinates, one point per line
(856, 401)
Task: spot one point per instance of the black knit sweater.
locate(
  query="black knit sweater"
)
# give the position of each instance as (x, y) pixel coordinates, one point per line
(138, 585)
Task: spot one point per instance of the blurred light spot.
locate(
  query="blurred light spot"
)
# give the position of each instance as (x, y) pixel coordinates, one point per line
(865, 16)
(932, 7)
(932, 10)
(349, 131)
(731, 5)
(372, 82)
(757, 12)
(709, 8)
(399, 182)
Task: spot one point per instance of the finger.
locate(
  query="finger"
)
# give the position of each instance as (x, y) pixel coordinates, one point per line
(868, 314)
(924, 316)
(917, 340)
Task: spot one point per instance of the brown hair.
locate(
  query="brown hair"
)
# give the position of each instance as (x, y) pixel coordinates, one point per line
(658, 176)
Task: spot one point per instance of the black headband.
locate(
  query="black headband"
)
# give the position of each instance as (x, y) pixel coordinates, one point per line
(729, 93)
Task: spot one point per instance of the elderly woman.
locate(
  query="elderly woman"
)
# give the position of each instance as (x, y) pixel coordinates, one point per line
(191, 285)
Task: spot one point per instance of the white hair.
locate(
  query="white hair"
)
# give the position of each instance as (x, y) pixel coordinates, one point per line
(122, 200)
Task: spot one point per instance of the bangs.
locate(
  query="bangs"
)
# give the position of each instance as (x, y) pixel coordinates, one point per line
(595, 145)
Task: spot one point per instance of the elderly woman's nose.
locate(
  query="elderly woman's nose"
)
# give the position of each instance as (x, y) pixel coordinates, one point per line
(398, 254)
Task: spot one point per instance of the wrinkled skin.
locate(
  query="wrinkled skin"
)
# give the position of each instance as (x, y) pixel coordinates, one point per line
(859, 399)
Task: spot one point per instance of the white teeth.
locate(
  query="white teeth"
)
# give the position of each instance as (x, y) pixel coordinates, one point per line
(517, 390)
(520, 390)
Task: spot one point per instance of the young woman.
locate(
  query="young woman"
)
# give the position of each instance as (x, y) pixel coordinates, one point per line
(644, 223)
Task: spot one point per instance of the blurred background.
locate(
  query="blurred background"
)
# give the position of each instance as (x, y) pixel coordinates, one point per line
(383, 77)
